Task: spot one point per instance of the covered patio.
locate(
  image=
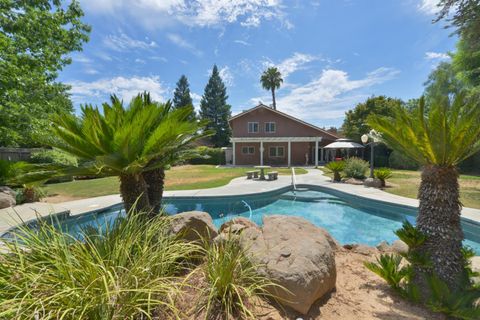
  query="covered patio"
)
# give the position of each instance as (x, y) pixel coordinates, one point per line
(298, 149)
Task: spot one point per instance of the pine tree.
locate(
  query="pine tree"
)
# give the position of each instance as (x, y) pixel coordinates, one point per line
(214, 108)
(181, 96)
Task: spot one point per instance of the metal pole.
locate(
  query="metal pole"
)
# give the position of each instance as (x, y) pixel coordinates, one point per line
(371, 159)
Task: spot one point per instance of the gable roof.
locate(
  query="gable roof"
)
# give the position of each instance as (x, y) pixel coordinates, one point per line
(261, 105)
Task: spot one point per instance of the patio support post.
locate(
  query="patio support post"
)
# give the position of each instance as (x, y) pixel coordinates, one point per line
(234, 152)
(321, 155)
(261, 153)
(289, 153)
(316, 153)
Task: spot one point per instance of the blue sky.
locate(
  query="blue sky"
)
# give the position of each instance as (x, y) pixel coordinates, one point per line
(332, 53)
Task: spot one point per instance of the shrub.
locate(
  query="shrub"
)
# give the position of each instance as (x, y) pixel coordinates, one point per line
(233, 280)
(336, 167)
(5, 171)
(53, 156)
(127, 271)
(207, 155)
(355, 168)
(460, 304)
(382, 174)
(399, 161)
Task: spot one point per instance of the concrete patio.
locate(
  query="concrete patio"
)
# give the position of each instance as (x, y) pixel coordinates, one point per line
(10, 217)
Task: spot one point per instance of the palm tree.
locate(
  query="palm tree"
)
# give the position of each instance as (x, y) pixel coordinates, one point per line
(438, 139)
(271, 79)
(135, 143)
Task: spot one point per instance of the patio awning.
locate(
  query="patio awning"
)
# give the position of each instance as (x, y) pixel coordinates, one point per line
(343, 144)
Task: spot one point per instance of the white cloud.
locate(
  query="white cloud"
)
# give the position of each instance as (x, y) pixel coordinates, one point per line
(245, 43)
(196, 98)
(436, 56)
(329, 95)
(226, 75)
(428, 6)
(125, 88)
(203, 13)
(291, 64)
(123, 42)
(182, 43)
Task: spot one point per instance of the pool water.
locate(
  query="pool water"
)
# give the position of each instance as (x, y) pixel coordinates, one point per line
(349, 219)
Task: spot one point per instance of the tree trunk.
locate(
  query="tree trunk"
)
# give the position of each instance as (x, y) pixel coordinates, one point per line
(155, 182)
(134, 193)
(273, 98)
(439, 220)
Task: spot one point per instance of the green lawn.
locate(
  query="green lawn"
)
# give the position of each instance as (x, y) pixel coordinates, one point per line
(406, 182)
(178, 178)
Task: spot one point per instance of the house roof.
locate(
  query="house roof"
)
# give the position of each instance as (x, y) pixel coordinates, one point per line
(261, 105)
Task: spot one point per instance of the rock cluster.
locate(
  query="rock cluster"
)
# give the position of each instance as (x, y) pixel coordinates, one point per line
(291, 251)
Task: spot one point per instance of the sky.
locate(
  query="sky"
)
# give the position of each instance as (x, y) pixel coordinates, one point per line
(332, 54)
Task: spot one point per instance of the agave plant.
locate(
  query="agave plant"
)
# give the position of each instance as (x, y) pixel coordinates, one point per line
(336, 167)
(438, 139)
(135, 143)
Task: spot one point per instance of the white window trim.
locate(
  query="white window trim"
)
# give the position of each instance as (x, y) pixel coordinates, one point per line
(248, 149)
(248, 127)
(276, 151)
(274, 124)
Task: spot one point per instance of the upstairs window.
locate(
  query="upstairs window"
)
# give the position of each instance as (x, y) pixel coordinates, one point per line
(270, 127)
(253, 127)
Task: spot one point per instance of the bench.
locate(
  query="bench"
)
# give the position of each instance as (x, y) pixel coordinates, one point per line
(273, 175)
(252, 174)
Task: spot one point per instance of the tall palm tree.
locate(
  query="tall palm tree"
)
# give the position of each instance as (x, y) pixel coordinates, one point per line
(135, 143)
(438, 139)
(271, 79)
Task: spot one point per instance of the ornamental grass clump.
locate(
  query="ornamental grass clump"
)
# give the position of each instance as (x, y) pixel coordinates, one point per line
(233, 281)
(336, 167)
(355, 168)
(127, 271)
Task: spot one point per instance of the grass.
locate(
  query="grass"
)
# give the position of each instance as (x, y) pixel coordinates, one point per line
(178, 178)
(129, 271)
(405, 183)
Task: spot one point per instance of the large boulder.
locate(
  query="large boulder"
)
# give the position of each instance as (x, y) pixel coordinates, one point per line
(236, 225)
(475, 265)
(296, 255)
(7, 197)
(193, 225)
(372, 183)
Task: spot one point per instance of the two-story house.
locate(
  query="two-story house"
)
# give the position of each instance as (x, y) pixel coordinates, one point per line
(264, 136)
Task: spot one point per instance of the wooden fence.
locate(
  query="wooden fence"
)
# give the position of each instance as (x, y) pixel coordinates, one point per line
(17, 154)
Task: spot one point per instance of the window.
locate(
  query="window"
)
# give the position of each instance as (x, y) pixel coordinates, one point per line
(277, 152)
(270, 127)
(252, 127)
(248, 150)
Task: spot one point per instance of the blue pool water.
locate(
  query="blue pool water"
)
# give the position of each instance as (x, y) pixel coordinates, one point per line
(348, 218)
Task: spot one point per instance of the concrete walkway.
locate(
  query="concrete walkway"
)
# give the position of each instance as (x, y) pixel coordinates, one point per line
(239, 186)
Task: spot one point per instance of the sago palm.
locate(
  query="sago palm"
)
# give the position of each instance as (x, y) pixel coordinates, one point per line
(438, 139)
(135, 143)
(271, 79)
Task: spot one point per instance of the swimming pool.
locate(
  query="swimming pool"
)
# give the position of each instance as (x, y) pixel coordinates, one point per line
(348, 218)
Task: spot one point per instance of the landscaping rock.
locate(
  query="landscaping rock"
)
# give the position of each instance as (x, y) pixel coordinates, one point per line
(193, 225)
(372, 183)
(384, 246)
(296, 255)
(399, 246)
(236, 225)
(354, 181)
(362, 249)
(7, 197)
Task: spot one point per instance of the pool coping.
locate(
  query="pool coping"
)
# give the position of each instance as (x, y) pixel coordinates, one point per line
(237, 187)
